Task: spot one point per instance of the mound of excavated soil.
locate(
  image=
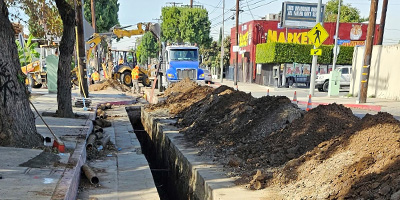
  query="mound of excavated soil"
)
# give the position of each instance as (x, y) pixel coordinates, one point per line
(109, 83)
(181, 95)
(229, 125)
(364, 164)
(326, 153)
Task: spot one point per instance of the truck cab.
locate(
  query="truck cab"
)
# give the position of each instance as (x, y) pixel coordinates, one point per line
(183, 62)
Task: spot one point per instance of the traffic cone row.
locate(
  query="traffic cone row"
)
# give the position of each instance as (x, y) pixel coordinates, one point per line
(268, 92)
(309, 104)
(294, 98)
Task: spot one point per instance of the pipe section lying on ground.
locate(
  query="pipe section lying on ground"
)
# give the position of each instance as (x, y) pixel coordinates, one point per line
(90, 141)
(98, 129)
(90, 174)
(105, 140)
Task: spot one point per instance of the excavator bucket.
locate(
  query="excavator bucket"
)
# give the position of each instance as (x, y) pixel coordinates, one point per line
(155, 29)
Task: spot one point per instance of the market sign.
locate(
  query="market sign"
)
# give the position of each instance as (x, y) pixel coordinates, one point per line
(300, 15)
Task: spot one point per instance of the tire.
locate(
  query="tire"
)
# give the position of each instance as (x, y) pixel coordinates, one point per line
(325, 86)
(290, 82)
(126, 78)
(320, 89)
(146, 81)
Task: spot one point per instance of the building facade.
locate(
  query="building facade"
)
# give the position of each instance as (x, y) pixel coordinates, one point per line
(261, 31)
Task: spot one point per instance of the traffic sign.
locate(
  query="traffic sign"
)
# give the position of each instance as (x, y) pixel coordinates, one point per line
(317, 35)
(316, 52)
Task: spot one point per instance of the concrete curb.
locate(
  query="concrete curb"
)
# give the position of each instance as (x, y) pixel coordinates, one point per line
(358, 106)
(67, 187)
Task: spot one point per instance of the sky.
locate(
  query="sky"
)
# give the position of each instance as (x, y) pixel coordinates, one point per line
(132, 12)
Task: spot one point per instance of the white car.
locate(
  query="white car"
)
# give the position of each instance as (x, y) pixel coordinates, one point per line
(207, 76)
(322, 81)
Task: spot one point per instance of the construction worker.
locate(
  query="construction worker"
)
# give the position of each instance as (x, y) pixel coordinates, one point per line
(120, 61)
(95, 76)
(135, 80)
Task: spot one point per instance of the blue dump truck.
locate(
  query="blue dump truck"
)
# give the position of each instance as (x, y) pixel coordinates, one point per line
(182, 62)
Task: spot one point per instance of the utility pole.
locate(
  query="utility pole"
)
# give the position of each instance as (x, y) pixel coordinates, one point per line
(383, 21)
(222, 40)
(81, 43)
(93, 10)
(191, 3)
(237, 43)
(368, 51)
(315, 57)
(335, 54)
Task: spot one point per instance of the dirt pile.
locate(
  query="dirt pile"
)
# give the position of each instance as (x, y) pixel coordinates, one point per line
(109, 83)
(326, 153)
(181, 95)
(363, 164)
(228, 125)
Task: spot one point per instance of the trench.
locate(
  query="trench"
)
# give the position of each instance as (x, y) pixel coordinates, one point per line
(160, 171)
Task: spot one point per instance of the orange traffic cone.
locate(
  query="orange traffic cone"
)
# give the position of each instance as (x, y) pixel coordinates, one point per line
(294, 98)
(268, 92)
(309, 105)
(237, 88)
(208, 83)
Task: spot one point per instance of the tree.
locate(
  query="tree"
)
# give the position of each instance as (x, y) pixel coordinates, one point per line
(170, 24)
(17, 127)
(67, 14)
(186, 25)
(347, 12)
(148, 48)
(29, 50)
(106, 14)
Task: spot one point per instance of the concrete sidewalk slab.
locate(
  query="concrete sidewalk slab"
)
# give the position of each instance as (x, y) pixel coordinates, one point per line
(127, 174)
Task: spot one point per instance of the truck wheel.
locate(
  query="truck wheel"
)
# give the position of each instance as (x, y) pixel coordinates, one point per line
(290, 82)
(325, 86)
(320, 89)
(146, 81)
(126, 78)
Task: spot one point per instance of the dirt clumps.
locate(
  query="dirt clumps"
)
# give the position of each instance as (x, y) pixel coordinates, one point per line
(109, 83)
(230, 125)
(326, 153)
(360, 164)
(181, 95)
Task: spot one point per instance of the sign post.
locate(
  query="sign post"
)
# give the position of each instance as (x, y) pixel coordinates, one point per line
(316, 36)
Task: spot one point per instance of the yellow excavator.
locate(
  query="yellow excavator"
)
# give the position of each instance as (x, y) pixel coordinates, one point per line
(122, 72)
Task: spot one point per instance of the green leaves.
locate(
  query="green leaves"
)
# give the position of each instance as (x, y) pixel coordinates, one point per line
(106, 14)
(182, 24)
(29, 50)
(148, 48)
(347, 12)
(300, 53)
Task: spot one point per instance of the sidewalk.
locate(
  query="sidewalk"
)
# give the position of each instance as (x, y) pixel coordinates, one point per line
(373, 105)
(44, 176)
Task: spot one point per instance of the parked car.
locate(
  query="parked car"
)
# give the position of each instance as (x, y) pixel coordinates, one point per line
(322, 81)
(207, 76)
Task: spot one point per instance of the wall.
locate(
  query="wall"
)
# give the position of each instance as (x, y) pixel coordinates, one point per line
(260, 31)
(384, 72)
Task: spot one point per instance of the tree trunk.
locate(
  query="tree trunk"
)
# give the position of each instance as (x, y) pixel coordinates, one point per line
(67, 14)
(17, 121)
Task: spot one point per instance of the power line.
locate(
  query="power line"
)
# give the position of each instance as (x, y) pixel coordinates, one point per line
(249, 9)
(264, 4)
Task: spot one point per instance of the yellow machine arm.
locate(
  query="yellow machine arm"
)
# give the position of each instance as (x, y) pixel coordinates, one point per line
(128, 33)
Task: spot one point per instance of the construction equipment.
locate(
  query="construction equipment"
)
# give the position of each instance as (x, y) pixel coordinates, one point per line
(37, 74)
(122, 72)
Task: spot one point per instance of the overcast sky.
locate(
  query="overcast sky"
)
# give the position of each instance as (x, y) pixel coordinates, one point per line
(133, 11)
